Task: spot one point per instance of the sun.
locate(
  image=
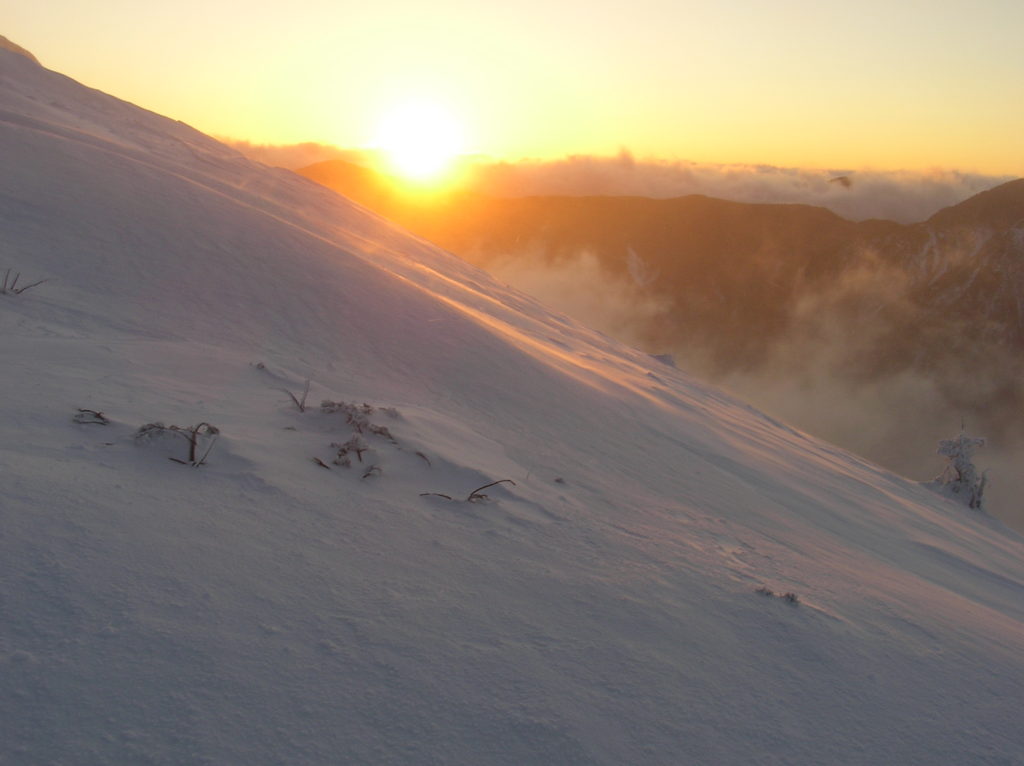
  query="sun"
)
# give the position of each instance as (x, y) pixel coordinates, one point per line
(420, 139)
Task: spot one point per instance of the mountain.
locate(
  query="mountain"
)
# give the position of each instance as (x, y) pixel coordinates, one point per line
(7, 45)
(761, 257)
(272, 581)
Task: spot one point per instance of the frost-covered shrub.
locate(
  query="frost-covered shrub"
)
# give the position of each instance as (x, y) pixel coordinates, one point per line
(789, 597)
(358, 417)
(354, 446)
(194, 435)
(355, 415)
(960, 480)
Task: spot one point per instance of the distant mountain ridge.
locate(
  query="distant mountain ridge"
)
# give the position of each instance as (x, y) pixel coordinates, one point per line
(713, 255)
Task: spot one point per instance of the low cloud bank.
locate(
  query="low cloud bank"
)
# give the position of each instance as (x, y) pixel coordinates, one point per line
(903, 196)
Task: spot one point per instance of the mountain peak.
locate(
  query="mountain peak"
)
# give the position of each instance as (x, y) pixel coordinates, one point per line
(1000, 206)
(6, 44)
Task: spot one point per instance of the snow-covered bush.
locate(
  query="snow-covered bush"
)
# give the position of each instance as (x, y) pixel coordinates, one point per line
(357, 449)
(356, 445)
(960, 480)
(194, 435)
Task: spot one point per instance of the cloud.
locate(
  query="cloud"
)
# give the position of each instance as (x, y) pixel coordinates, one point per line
(904, 196)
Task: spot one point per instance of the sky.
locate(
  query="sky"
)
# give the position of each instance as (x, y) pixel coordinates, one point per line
(910, 85)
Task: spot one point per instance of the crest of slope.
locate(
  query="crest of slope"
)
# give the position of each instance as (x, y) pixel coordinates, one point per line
(263, 608)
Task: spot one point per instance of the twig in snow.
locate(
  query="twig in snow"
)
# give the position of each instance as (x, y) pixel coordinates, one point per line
(11, 287)
(299, 403)
(475, 494)
(192, 434)
(91, 417)
(210, 447)
(472, 496)
(321, 463)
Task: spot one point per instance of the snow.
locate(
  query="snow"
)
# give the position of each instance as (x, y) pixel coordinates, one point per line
(262, 608)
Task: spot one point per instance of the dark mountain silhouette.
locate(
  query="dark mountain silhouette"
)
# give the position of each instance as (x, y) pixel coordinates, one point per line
(732, 269)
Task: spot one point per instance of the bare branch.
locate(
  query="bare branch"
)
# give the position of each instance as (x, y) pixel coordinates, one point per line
(300, 404)
(475, 494)
(10, 286)
(91, 417)
(27, 287)
(192, 434)
(210, 447)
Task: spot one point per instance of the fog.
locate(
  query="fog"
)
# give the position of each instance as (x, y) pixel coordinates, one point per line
(580, 287)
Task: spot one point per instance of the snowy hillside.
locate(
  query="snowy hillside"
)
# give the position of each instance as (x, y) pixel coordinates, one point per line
(264, 607)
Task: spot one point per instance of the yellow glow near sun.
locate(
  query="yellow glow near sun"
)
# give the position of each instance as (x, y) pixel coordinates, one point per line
(420, 140)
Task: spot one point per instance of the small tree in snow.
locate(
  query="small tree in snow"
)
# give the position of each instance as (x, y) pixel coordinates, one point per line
(960, 480)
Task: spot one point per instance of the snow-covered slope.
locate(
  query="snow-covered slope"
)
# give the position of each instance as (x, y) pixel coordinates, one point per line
(264, 608)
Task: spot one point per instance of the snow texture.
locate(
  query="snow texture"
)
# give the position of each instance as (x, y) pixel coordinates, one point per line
(273, 605)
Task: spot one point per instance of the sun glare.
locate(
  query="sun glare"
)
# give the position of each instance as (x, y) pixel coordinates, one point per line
(420, 140)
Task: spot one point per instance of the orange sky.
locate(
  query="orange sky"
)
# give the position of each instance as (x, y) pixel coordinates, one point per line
(790, 82)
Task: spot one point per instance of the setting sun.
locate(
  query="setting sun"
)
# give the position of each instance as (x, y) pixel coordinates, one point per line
(419, 139)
